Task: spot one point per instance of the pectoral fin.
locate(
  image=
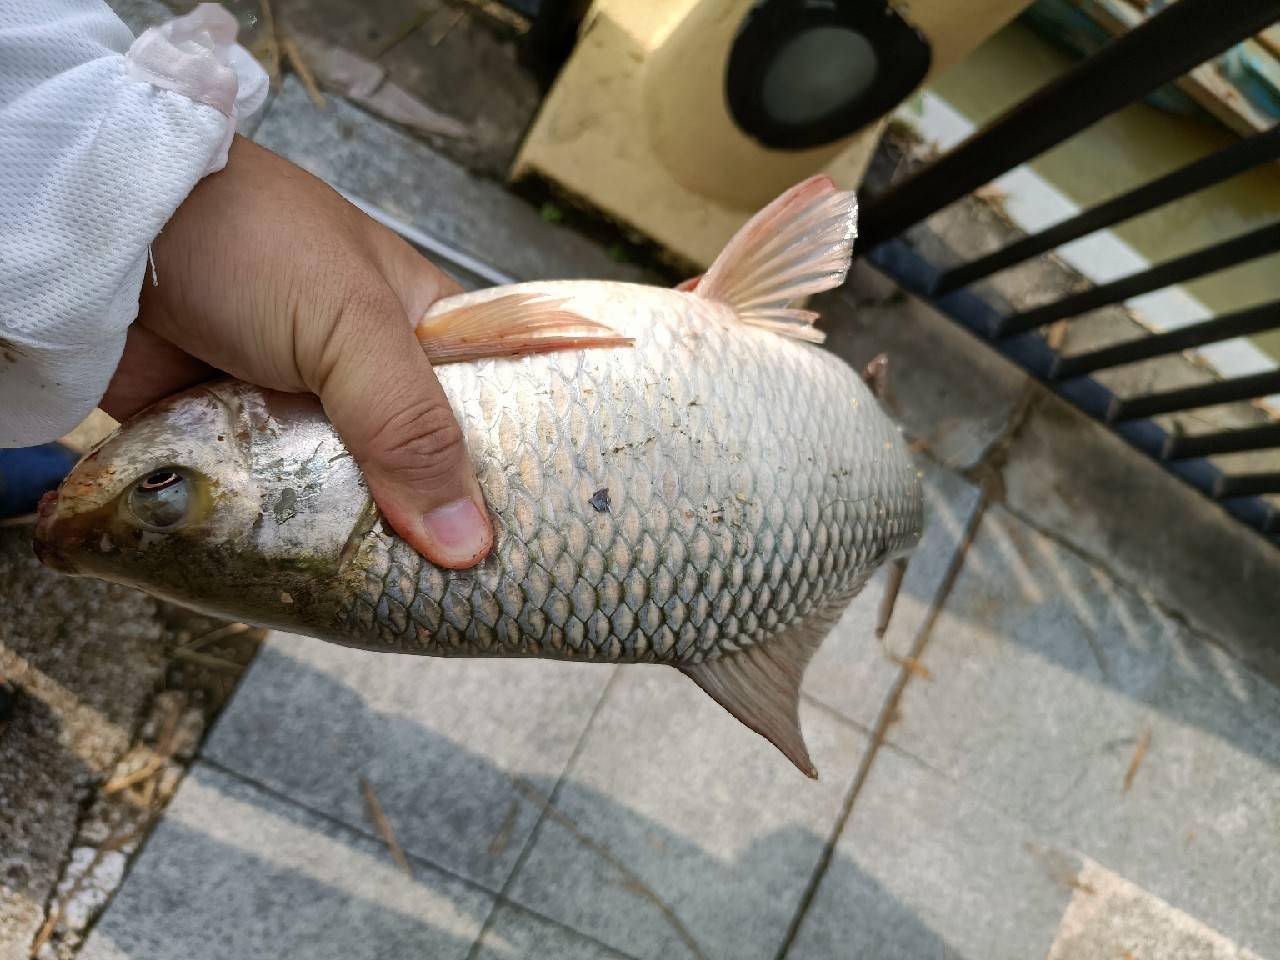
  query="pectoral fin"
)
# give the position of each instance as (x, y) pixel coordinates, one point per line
(761, 684)
(518, 323)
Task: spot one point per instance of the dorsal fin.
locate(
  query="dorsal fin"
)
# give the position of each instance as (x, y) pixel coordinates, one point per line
(800, 244)
(508, 326)
(761, 684)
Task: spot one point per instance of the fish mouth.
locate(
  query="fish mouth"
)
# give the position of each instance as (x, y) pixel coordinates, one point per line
(46, 546)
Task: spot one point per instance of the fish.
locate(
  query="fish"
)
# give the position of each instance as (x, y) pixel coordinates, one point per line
(675, 476)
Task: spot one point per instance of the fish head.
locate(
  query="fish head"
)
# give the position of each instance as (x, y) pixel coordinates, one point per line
(225, 498)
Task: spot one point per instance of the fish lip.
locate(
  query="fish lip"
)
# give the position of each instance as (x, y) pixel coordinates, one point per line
(46, 549)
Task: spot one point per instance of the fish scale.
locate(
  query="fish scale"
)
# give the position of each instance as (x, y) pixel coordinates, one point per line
(674, 476)
(709, 548)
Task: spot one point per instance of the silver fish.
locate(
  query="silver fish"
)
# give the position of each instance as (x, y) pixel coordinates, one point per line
(710, 496)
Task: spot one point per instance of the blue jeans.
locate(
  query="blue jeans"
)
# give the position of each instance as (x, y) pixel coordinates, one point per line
(29, 472)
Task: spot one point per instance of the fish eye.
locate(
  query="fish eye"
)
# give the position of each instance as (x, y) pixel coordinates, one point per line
(161, 500)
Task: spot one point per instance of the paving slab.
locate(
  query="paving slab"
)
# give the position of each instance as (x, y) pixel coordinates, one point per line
(679, 833)
(1071, 477)
(1076, 705)
(441, 741)
(1110, 917)
(515, 934)
(233, 871)
(925, 868)
(852, 671)
(378, 164)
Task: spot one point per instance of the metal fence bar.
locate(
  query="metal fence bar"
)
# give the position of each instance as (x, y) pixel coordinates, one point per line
(903, 262)
(1197, 175)
(1238, 324)
(1219, 256)
(1261, 437)
(1179, 37)
(1189, 398)
(1246, 485)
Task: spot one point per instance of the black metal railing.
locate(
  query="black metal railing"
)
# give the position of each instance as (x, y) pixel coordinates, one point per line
(1228, 253)
(1173, 41)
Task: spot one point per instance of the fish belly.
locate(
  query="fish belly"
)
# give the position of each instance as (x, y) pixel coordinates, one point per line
(695, 495)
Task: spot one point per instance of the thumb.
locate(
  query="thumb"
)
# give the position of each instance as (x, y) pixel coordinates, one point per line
(386, 403)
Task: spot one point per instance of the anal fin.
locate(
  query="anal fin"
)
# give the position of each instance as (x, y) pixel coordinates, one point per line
(760, 685)
(509, 326)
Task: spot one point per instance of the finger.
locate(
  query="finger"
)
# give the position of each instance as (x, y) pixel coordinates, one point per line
(417, 282)
(151, 369)
(387, 405)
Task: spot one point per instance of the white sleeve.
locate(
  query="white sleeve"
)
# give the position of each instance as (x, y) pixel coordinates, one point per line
(101, 138)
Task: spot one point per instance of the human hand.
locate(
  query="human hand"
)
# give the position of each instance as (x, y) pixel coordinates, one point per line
(269, 275)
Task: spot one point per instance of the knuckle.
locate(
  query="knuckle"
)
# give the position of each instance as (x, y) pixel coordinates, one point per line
(364, 304)
(420, 442)
(340, 326)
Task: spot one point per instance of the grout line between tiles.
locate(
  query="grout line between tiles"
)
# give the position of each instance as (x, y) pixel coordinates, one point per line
(885, 719)
(527, 849)
(343, 826)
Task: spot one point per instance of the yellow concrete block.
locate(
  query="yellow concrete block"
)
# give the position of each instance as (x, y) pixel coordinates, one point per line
(637, 125)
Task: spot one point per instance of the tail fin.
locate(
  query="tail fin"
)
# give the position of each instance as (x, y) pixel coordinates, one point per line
(801, 243)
